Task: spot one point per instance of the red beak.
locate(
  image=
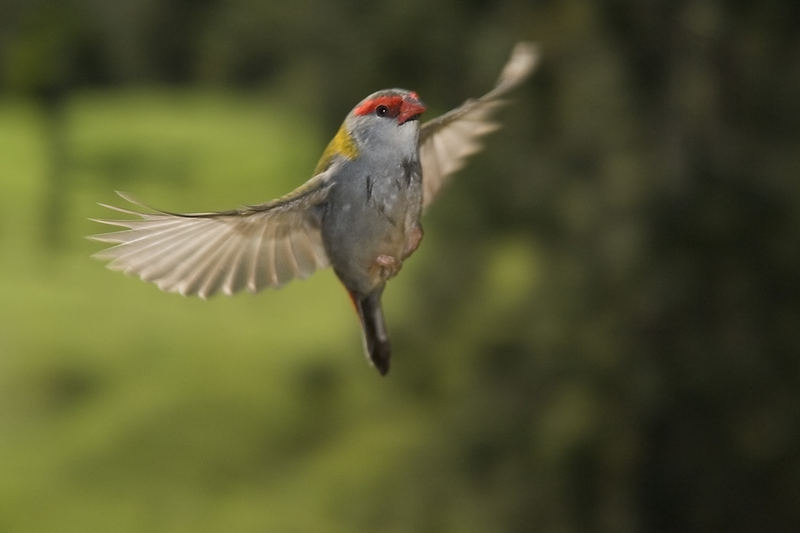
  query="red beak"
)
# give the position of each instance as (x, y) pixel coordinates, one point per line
(411, 109)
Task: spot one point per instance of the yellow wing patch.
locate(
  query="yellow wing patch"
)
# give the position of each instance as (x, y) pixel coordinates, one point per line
(342, 144)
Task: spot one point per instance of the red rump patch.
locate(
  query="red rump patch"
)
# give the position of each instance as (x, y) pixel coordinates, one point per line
(392, 103)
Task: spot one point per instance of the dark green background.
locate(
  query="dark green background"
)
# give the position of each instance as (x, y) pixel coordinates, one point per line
(599, 332)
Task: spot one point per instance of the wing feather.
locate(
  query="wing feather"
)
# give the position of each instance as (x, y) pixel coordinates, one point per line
(156, 260)
(447, 141)
(285, 265)
(303, 252)
(260, 275)
(205, 279)
(201, 254)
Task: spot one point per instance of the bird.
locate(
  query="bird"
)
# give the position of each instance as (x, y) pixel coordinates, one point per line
(359, 213)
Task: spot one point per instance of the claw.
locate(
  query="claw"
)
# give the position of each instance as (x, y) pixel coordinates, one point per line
(386, 260)
(388, 265)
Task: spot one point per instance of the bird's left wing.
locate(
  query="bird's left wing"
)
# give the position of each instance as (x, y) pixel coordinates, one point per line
(447, 141)
(250, 248)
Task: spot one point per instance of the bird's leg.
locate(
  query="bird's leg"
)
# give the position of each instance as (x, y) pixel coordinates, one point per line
(413, 239)
(389, 266)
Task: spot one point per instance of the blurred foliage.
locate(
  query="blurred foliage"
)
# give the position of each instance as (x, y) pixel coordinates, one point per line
(599, 332)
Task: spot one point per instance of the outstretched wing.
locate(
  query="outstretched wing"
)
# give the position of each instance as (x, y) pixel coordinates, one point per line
(254, 247)
(447, 141)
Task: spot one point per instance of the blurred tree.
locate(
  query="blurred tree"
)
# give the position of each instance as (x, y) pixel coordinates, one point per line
(648, 377)
(46, 52)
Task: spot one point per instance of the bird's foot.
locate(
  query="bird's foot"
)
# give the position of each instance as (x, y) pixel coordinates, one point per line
(389, 266)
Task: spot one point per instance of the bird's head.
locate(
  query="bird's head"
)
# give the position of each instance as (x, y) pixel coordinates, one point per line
(384, 120)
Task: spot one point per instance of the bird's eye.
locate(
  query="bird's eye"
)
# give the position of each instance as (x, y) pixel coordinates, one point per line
(381, 110)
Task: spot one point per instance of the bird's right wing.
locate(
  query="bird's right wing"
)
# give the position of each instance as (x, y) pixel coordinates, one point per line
(447, 141)
(253, 247)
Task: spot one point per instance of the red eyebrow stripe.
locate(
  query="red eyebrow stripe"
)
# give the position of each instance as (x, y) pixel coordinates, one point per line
(392, 102)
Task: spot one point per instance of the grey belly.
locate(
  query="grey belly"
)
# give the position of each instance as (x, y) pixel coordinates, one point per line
(363, 221)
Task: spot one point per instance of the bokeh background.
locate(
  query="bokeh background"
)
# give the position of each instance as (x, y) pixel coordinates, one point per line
(599, 332)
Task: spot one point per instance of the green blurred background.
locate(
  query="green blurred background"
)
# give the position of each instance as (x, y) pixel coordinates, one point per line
(599, 332)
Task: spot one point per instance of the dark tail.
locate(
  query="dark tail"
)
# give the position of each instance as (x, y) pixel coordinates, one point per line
(376, 338)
